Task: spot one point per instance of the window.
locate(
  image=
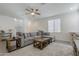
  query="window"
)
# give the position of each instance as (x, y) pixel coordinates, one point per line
(54, 25)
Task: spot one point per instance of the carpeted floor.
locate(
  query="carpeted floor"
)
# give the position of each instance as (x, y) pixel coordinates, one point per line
(54, 49)
(3, 47)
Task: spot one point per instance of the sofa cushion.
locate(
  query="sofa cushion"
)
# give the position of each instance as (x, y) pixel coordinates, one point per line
(24, 36)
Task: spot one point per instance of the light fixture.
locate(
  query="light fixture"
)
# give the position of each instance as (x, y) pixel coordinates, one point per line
(32, 13)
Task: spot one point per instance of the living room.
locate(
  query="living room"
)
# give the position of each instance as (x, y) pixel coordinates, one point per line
(56, 22)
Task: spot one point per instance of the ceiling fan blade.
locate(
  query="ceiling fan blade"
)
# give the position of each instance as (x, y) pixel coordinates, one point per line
(37, 13)
(32, 9)
(36, 9)
(28, 10)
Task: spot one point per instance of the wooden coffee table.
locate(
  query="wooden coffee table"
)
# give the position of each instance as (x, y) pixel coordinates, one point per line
(41, 42)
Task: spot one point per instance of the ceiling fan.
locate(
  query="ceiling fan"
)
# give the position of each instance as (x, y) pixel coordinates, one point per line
(32, 11)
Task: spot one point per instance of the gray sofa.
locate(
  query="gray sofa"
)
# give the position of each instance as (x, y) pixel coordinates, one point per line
(27, 38)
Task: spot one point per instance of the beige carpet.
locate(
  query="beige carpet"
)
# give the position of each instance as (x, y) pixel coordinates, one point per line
(2, 48)
(54, 49)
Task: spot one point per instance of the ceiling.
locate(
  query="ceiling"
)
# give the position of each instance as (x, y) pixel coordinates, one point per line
(17, 10)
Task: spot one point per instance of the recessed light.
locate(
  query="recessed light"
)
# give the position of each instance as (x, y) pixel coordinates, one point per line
(15, 19)
(71, 8)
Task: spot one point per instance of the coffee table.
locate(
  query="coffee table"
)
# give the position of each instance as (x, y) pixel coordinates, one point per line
(41, 42)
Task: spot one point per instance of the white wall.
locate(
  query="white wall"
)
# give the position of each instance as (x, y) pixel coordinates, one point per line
(27, 25)
(7, 23)
(69, 22)
(35, 25)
